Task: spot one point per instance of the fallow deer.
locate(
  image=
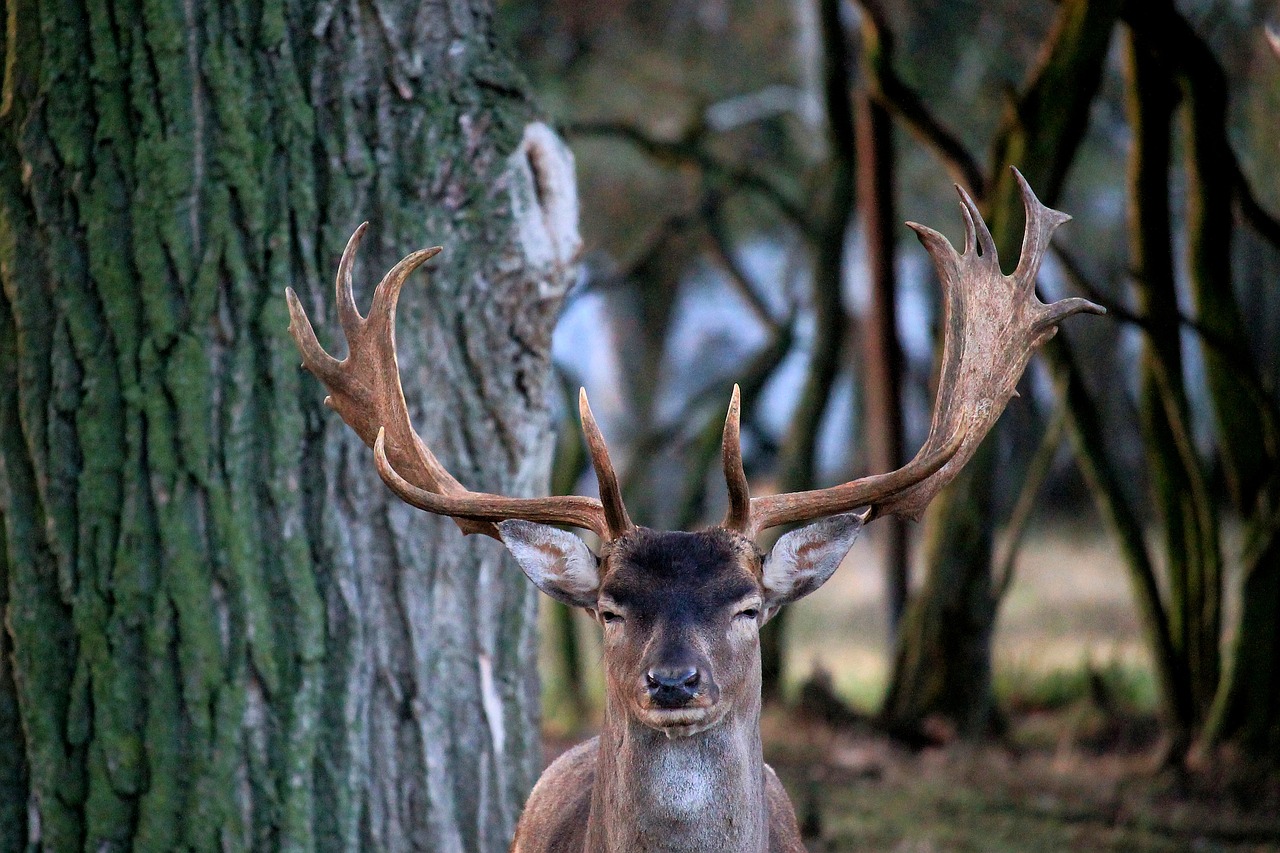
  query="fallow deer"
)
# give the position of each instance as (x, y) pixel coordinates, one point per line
(678, 764)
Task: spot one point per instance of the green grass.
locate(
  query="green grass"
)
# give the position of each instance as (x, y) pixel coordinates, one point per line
(1129, 687)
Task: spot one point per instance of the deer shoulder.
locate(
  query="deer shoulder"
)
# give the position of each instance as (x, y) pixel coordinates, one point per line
(555, 817)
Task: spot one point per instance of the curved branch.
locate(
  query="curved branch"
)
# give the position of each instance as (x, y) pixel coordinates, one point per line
(1250, 210)
(906, 104)
(688, 151)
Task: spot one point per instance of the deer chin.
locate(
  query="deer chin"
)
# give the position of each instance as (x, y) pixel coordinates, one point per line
(681, 722)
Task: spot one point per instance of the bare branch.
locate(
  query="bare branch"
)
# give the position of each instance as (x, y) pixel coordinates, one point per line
(1228, 350)
(1251, 211)
(905, 103)
(1037, 473)
(737, 275)
(690, 151)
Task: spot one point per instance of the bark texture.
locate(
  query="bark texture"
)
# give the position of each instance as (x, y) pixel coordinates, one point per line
(222, 633)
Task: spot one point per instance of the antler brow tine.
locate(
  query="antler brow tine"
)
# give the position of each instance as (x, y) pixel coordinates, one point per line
(615, 511)
(739, 514)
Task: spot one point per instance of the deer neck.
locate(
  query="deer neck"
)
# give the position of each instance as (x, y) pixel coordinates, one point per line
(683, 794)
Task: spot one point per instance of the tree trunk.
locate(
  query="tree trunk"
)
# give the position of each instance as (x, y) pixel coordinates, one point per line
(1246, 711)
(1044, 134)
(942, 662)
(796, 461)
(882, 371)
(224, 633)
(1190, 520)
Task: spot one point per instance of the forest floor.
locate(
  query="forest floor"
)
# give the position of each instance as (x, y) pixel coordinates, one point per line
(1076, 768)
(856, 791)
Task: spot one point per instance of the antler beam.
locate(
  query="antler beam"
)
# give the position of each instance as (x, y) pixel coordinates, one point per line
(991, 324)
(364, 388)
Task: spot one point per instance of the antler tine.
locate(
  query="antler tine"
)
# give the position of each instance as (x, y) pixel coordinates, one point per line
(364, 388)
(387, 294)
(1042, 221)
(973, 222)
(482, 507)
(991, 323)
(322, 365)
(615, 512)
(739, 515)
(970, 232)
(348, 314)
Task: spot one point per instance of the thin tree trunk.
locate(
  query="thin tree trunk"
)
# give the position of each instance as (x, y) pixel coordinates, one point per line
(225, 635)
(797, 459)
(1246, 710)
(882, 370)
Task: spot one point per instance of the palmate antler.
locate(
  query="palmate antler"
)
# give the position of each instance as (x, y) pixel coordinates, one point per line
(991, 323)
(364, 388)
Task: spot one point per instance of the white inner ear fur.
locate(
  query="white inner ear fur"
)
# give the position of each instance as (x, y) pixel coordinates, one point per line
(802, 560)
(558, 562)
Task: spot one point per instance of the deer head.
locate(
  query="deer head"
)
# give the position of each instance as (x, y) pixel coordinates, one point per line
(681, 611)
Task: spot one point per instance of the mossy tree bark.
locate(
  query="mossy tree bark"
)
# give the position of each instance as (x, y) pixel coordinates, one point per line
(221, 631)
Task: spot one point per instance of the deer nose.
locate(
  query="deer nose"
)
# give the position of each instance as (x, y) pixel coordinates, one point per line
(672, 687)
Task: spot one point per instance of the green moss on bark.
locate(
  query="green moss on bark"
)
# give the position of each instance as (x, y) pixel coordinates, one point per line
(215, 645)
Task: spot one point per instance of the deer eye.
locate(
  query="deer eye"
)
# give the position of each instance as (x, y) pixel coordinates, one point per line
(748, 613)
(610, 617)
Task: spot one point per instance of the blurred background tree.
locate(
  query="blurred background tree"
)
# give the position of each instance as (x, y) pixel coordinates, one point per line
(743, 169)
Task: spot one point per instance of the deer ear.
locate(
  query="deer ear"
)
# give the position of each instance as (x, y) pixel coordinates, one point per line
(802, 560)
(558, 562)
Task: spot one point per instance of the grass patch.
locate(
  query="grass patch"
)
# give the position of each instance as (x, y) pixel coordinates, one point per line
(1116, 685)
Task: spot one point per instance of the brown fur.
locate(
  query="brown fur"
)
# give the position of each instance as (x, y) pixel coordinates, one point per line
(555, 818)
(684, 775)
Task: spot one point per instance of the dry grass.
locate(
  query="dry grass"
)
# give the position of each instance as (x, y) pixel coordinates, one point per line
(1069, 604)
(862, 794)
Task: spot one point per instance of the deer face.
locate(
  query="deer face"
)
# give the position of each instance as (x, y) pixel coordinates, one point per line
(681, 612)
